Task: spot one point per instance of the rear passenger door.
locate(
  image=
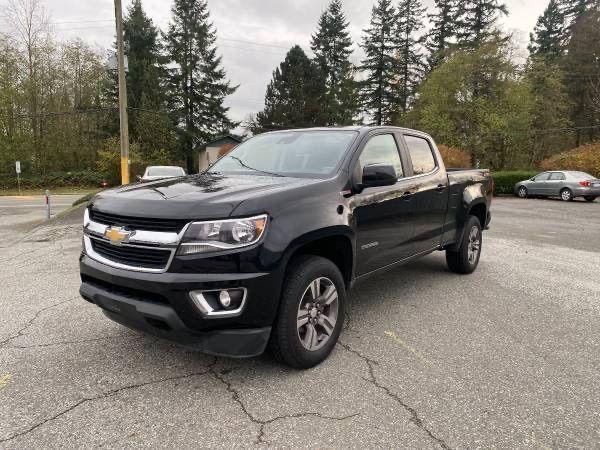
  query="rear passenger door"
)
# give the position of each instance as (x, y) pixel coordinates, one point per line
(430, 192)
(554, 184)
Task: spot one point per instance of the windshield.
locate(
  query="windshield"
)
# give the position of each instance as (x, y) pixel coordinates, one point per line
(301, 152)
(164, 172)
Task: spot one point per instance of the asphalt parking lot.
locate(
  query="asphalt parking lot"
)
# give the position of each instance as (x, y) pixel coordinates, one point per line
(18, 214)
(506, 357)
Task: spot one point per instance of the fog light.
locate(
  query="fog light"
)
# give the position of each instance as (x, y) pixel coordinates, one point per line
(225, 299)
(219, 302)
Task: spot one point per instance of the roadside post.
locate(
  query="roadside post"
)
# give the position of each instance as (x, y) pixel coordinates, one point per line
(18, 170)
(47, 204)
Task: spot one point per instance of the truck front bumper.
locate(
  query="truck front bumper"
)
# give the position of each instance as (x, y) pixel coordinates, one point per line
(159, 304)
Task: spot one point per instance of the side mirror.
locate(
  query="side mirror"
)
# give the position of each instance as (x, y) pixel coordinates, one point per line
(378, 175)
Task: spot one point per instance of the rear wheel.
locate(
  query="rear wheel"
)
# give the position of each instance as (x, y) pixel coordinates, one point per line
(566, 195)
(466, 258)
(311, 313)
(589, 198)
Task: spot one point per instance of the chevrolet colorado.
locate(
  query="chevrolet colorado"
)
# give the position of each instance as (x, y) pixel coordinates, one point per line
(262, 248)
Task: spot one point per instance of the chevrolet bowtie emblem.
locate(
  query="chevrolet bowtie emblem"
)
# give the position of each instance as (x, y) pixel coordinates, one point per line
(117, 235)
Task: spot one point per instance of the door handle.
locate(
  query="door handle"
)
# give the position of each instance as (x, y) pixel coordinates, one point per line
(406, 196)
(440, 187)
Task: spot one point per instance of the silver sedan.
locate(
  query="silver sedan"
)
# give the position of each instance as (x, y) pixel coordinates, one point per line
(565, 184)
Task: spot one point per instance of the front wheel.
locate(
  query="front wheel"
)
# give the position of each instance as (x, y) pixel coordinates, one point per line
(589, 198)
(566, 195)
(311, 312)
(466, 258)
(522, 192)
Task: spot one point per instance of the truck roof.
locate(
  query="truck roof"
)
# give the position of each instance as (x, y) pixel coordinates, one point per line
(359, 128)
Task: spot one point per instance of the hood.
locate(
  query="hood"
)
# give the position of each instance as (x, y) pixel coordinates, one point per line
(203, 196)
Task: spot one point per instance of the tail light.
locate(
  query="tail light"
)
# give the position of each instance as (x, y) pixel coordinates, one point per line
(586, 183)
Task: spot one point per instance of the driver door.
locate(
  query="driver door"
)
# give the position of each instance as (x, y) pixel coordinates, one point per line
(383, 215)
(539, 184)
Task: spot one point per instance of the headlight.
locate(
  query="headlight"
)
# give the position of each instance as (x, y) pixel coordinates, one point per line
(86, 217)
(204, 237)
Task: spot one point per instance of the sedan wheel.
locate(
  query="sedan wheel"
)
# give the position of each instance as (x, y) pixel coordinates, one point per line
(566, 195)
(522, 192)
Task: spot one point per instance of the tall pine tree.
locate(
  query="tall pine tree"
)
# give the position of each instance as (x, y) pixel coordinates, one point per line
(411, 60)
(380, 43)
(198, 83)
(294, 95)
(443, 30)
(332, 47)
(582, 75)
(477, 21)
(144, 61)
(547, 39)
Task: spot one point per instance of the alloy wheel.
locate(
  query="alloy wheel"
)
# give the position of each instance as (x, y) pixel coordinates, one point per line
(565, 195)
(317, 313)
(522, 192)
(474, 245)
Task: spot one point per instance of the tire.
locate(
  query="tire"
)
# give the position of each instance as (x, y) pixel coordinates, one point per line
(566, 195)
(465, 259)
(522, 192)
(307, 345)
(589, 198)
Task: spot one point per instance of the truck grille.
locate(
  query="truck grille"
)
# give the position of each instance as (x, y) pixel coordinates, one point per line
(133, 256)
(138, 223)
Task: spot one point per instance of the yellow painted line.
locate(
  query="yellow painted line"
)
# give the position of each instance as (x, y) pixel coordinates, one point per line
(407, 347)
(4, 379)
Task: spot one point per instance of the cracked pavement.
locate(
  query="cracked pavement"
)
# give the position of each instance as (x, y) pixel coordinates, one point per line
(506, 357)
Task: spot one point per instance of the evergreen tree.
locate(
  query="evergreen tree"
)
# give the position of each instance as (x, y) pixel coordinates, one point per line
(293, 98)
(477, 21)
(380, 43)
(574, 9)
(332, 47)
(547, 39)
(582, 75)
(198, 84)
(144, 60)
(550, 107)
(443, 30)
(411, 61)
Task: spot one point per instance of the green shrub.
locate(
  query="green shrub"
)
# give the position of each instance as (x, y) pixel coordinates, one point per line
(504, 182)
(82, 178)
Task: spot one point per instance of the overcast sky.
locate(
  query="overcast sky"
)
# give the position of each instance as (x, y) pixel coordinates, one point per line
(254, 35)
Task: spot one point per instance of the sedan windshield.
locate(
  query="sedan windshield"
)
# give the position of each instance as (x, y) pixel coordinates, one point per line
(164, 172)
(315, 153)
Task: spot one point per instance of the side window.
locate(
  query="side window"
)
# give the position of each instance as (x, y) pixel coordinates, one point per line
(557, 176)
(542, 177)
(381, 149)
(420, 154)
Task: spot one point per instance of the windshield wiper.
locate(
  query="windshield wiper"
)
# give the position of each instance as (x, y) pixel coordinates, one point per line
(243, 164)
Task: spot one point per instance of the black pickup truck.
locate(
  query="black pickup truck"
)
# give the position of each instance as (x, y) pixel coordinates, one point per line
(262, 248)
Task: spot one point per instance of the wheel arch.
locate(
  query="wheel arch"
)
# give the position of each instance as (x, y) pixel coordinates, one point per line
(334, 243)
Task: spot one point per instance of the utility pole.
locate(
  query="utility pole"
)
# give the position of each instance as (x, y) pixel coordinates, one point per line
(122, 96)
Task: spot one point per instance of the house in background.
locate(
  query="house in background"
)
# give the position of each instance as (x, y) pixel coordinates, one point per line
(215, 149)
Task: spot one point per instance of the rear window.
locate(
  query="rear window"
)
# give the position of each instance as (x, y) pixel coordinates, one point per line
(581, 176)
(165, 171)
(420, 155)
